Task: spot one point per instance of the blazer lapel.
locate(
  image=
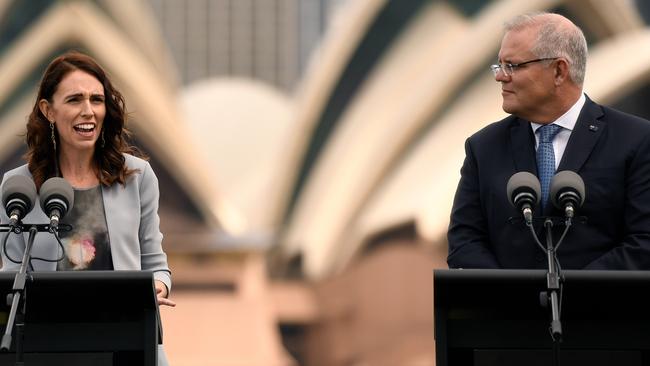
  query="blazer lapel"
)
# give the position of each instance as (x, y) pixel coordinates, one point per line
(583, 138)
(523, 146)
(523, 153)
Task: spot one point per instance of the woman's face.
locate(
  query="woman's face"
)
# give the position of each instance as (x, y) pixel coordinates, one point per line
(77, 110)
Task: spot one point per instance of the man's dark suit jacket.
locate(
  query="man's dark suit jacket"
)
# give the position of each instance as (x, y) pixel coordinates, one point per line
(609, 149)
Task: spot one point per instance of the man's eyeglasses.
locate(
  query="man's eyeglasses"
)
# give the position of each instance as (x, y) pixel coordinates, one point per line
(508, 68)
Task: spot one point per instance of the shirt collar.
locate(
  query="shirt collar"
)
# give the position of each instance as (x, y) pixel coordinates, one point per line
(569, 118)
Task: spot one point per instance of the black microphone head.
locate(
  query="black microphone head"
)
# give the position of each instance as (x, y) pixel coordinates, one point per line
(567, 186)
(56, 193)
(18, 192)
(523, 187)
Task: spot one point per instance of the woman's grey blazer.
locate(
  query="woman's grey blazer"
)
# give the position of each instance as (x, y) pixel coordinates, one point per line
(131, 217)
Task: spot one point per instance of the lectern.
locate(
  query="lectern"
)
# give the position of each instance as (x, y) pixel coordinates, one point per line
(495, 317)
(86, 318)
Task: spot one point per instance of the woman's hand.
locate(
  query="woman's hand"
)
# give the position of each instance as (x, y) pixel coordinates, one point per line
(161, 294)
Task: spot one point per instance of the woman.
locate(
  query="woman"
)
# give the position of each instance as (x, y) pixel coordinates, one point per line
(77, 131)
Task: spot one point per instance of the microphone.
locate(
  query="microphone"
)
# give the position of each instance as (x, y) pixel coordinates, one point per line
(56, 199)
(524, 192)
(18, 196)
(567, 192)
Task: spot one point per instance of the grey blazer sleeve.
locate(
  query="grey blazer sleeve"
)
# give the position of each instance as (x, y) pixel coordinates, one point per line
(152, 257)
(134, 224)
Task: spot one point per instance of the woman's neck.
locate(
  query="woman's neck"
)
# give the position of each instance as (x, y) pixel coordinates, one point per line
(79, 170)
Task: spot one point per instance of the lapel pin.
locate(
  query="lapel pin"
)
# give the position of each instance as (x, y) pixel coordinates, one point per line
(593, 128)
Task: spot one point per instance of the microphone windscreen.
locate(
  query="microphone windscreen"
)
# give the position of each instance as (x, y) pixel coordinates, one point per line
(523, 181)
(19, 186)
(564, 181)
(59, 188)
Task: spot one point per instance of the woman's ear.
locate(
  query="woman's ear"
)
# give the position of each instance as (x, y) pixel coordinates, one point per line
(44, 106)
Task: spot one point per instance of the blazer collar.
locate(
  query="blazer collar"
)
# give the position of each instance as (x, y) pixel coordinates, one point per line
(588, 129)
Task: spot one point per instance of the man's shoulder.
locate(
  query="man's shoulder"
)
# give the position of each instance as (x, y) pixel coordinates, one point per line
(624, 119)
(497, 129)
(621, 119)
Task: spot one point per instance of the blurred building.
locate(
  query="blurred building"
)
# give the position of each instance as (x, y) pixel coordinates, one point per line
(307, 150)
(266, 40)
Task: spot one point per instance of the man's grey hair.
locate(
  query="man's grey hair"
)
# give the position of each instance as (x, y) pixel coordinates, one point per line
(555, 39)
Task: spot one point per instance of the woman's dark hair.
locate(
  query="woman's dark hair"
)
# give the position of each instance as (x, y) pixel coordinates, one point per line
(41, 156)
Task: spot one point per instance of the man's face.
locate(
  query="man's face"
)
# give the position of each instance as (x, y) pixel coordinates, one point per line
(528, 91)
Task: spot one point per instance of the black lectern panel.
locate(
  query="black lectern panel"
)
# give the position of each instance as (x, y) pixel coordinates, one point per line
(495, 317)
(89, 317)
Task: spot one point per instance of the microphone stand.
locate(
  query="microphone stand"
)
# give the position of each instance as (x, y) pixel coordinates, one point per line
(18, 293)
(553, 286)
(553, 277)
(17, 312)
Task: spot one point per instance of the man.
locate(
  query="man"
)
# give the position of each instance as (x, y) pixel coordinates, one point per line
(541, 70)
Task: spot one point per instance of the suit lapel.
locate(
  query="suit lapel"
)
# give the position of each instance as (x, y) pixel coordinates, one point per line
(523, 146)
(583, 138)
(523, 152)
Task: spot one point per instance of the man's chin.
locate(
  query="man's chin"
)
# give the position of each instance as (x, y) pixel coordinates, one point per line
(508, 108)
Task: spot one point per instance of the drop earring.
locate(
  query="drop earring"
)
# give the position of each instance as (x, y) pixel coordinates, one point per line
(56, 158)
(103, 141)
(52, 135)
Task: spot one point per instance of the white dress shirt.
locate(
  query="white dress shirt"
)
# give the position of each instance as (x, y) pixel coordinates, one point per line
(567, 121)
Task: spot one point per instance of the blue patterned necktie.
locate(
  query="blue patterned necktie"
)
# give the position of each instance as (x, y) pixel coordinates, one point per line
(546, 158)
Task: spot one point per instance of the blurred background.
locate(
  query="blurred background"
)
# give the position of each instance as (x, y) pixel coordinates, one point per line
(307, 150)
